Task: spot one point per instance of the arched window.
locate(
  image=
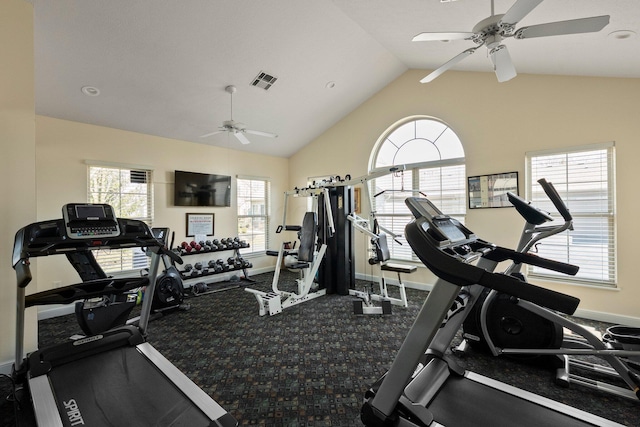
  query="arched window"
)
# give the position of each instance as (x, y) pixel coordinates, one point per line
(434, 166)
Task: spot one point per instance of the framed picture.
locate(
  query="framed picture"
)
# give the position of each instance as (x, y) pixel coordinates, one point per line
(490, 191)
(199, 224)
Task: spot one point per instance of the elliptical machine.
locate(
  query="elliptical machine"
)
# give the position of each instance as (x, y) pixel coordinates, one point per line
(519, 329)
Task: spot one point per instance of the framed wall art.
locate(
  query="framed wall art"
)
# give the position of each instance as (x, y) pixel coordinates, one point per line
(199, 224)
(490, 191)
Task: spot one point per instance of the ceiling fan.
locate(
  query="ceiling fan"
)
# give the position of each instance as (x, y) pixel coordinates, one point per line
(237, 129)
(491, 31)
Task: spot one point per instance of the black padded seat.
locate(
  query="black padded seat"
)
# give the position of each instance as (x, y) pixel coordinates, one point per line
(398, 268)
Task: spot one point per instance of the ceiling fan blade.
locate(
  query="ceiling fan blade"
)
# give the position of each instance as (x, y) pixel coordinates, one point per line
(574, 26)
(434, 37)
(211, 134)
(453, 61)
(519, 10)
(257, 132)
(240, 136)
(502, 63)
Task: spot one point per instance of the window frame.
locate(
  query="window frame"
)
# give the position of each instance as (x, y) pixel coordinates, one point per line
(608, 268)
(253, 251)
(401, 251)
(123, 258)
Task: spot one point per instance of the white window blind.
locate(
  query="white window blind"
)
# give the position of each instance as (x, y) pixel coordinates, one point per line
(583, 178)
(253, 212)
(130, 193)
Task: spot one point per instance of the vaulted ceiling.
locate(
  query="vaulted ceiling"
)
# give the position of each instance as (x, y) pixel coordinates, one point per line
(161, 67)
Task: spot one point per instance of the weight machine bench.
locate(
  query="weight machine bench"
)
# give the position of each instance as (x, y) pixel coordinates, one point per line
(363, 305)
(309, 261)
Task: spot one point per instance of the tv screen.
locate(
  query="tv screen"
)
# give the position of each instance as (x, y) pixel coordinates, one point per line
(202, 189)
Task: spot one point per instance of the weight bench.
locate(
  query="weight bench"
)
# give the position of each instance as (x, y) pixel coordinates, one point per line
(364, 306)
(308, 263)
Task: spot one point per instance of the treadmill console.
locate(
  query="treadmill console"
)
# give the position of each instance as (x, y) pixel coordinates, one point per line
(444, 229)
(90, 221)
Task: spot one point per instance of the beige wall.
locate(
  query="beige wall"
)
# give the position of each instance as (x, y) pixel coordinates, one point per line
(63, 147)
(17, 139)
(498, 123)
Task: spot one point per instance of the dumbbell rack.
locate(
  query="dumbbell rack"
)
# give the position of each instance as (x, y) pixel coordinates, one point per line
(187, 275)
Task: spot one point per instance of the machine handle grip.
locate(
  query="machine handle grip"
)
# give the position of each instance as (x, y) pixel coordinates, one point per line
(555, 198)
(500, 254)
(541, 296)
(23, 273)
(171, 254)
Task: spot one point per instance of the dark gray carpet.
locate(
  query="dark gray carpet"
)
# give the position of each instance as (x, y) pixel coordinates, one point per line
(311, 364)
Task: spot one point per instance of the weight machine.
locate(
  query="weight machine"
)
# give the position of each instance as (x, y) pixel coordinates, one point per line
(378, 236)
(310, 254)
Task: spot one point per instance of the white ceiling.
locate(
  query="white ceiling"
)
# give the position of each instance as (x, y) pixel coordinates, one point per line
(162, 66)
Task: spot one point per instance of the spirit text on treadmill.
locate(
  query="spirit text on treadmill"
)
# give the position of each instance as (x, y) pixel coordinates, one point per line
(88, 339)
(75, 417)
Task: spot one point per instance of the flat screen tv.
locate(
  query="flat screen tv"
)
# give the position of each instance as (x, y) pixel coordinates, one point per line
(201, 189)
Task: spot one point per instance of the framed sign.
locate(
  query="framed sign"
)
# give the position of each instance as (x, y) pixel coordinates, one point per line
(490, 191)
(199, 224)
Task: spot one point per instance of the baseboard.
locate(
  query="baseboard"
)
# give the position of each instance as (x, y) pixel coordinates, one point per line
(616, 319)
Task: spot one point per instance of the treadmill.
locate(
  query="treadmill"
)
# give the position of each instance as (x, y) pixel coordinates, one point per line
(116, 377)
(424, 385)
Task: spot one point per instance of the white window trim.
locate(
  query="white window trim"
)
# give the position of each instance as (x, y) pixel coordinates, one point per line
(267, 216)
(613, 282)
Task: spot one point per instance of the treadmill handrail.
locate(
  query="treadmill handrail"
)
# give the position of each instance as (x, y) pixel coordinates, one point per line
(49, 238)
(86, 290)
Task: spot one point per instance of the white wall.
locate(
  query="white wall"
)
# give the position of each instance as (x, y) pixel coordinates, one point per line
(497, 124)
(17, 161)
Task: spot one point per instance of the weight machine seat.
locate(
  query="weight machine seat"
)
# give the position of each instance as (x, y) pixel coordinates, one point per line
(398, 268)
(383, 254)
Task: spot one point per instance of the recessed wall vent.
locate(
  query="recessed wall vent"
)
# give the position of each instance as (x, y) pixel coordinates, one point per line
(264, 80)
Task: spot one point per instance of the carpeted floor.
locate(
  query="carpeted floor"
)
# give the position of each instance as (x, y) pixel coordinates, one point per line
(311, 364)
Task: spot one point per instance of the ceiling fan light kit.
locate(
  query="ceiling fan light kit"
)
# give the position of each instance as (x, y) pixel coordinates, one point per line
(237, 129)
(491, 31)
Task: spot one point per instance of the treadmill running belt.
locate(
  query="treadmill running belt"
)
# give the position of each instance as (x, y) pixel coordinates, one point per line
(119, 388)
(464, 402)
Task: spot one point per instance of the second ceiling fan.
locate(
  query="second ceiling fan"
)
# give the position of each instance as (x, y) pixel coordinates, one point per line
(491, 31)
(237, 129)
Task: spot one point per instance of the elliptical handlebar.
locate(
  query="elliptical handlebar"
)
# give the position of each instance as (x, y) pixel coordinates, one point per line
(553, 195)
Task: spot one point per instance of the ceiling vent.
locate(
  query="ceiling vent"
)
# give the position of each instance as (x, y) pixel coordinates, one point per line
(264, 80)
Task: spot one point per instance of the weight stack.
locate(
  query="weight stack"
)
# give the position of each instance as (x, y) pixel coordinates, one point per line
(337, 272)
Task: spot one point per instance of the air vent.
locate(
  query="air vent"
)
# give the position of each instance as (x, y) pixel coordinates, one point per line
(264, 80)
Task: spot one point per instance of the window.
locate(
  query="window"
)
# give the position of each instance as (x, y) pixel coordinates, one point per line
(253, 212)
(130, 193)
(583, 178)
(434, 167)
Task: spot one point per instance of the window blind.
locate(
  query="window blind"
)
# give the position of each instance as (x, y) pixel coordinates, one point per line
(584, 180)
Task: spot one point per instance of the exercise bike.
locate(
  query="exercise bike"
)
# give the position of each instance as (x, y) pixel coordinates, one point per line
(97, 315)
(519, 329)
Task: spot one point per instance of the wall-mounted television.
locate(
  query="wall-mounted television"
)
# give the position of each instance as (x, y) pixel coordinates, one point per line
(201, 189)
